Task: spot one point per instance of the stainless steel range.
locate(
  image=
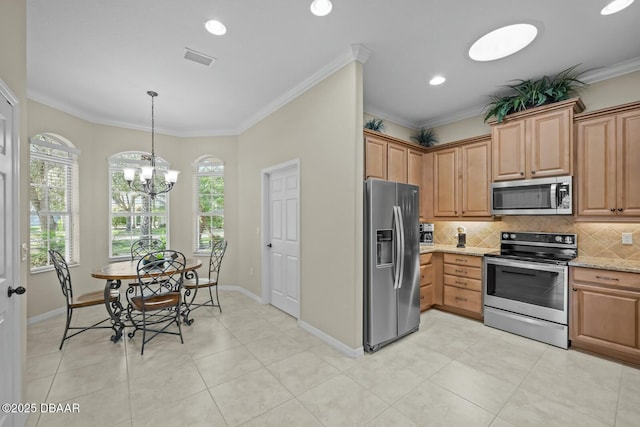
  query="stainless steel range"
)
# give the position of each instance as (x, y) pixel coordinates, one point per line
(526, 287)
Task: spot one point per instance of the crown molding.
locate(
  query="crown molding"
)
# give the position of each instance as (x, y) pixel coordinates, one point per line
(356, 52)
(453, 117)
(615, 70)
(372, 111)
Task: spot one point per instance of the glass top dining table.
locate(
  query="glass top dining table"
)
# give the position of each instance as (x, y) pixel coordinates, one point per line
(116, 272)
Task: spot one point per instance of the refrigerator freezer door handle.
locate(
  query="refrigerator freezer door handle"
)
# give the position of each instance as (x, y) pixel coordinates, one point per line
(396, 261)
(402, 248)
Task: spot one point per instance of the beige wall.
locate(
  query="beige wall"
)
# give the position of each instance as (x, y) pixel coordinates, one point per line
(393, 129)
(323, 128)
(97, 143)
(607, 93)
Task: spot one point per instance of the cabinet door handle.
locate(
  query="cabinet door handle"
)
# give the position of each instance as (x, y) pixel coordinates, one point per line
(575, 289)
(461, 271)
(461, 260)
(612, 209)
(521, 173)
(619, 209)
(461, 283)
(460, 299)
(533, 172)
(613, 279)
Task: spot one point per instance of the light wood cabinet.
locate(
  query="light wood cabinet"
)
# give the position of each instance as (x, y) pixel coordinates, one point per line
(535, 143)
(426, 281)
(462, 284)
(461, 180)
(605, 312)
(395, 160)
(608, 165)
(396, 163)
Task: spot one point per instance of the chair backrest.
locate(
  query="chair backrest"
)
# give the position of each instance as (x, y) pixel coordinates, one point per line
(160, 272)
(215, 259)
(62, 270)
(144, 245)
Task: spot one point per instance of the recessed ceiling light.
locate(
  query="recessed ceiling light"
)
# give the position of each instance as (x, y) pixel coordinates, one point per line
(503, 42)
(437, 80)
(215, 27)
(321, 7)
(615, 6)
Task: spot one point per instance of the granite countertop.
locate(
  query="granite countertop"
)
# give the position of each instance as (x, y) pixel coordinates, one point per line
(425, 249)
(606, 264)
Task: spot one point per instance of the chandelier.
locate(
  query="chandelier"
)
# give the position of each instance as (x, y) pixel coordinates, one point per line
(147, 182)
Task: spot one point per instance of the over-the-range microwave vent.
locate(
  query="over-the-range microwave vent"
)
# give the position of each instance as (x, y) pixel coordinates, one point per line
(198, 57)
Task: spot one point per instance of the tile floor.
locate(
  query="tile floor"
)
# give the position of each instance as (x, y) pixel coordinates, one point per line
(253, 366)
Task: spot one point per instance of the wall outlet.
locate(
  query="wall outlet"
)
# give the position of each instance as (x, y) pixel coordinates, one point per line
(627, 239)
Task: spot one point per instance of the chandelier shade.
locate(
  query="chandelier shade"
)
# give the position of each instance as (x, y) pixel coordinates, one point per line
(147, 183)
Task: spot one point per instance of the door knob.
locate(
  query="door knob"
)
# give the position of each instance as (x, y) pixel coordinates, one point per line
(269, 245)
(19, 290)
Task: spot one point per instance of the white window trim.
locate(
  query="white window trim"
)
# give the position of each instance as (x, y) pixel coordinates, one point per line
(160, 162)
(196, 198)
(72, 238)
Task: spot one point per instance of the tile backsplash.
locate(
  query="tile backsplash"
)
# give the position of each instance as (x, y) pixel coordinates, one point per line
(601, 240)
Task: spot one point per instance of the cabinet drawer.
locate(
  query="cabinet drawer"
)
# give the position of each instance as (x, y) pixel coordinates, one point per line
(426, 274)
(463, 282)
(425, 258)
(426, 297)
(463, 298)
(606, 277)
(463, 271)
(469, 260)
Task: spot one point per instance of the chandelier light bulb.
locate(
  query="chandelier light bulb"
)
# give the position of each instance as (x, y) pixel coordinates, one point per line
(129, 174)
(147, 172)
(321, 7)
(171, 176)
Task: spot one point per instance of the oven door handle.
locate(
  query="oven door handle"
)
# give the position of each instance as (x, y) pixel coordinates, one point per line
(526, 264)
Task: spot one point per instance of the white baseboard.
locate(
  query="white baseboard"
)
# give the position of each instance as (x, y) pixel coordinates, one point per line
(45, 316)
(354, 353)
(243, 291)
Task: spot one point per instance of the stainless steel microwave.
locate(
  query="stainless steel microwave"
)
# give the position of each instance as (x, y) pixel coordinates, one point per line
(541, 196)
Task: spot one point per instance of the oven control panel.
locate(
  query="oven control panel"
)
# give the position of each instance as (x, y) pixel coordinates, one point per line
(561, 239)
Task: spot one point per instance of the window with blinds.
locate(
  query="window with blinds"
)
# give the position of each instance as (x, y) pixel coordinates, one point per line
(53, 200)
(133, 214)
(209, 197)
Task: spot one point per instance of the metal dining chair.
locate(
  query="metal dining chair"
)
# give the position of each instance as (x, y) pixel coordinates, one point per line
(144, 245)
(218, 250)
(75, 302)
(157, 304)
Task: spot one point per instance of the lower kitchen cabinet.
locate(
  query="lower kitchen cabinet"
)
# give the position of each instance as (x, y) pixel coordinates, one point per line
(462, 284)
(426, 281)
(605, 312)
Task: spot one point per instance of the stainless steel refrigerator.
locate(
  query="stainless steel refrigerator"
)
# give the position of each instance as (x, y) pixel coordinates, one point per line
(392, 257)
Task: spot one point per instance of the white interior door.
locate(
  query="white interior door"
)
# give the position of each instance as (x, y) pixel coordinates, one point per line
(283, 236)
(10, 360)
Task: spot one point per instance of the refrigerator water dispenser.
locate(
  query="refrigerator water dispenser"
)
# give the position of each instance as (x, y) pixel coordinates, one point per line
(384, 248)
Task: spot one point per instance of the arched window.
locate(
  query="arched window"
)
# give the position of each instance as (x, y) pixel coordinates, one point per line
(209, 197)
(134, 214)
(53, 200)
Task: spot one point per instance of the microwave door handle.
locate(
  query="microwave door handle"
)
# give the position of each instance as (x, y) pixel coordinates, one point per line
(554, 196)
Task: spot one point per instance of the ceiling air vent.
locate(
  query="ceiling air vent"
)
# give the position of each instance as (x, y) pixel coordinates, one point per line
(198, 57)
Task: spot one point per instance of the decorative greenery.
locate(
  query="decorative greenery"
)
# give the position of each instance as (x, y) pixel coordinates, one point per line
(425, 137)
(374, 124)
(532, 93)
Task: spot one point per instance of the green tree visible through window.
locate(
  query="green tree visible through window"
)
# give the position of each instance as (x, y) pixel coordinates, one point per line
(52, 199)
(209, 185)
(133, 214)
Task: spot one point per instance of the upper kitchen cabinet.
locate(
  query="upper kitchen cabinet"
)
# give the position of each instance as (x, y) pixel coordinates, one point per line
(395, 160)
(608, 169)
(461, 179)
(535, 143)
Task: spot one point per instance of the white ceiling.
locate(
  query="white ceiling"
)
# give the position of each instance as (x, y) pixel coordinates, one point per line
(96, 59)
